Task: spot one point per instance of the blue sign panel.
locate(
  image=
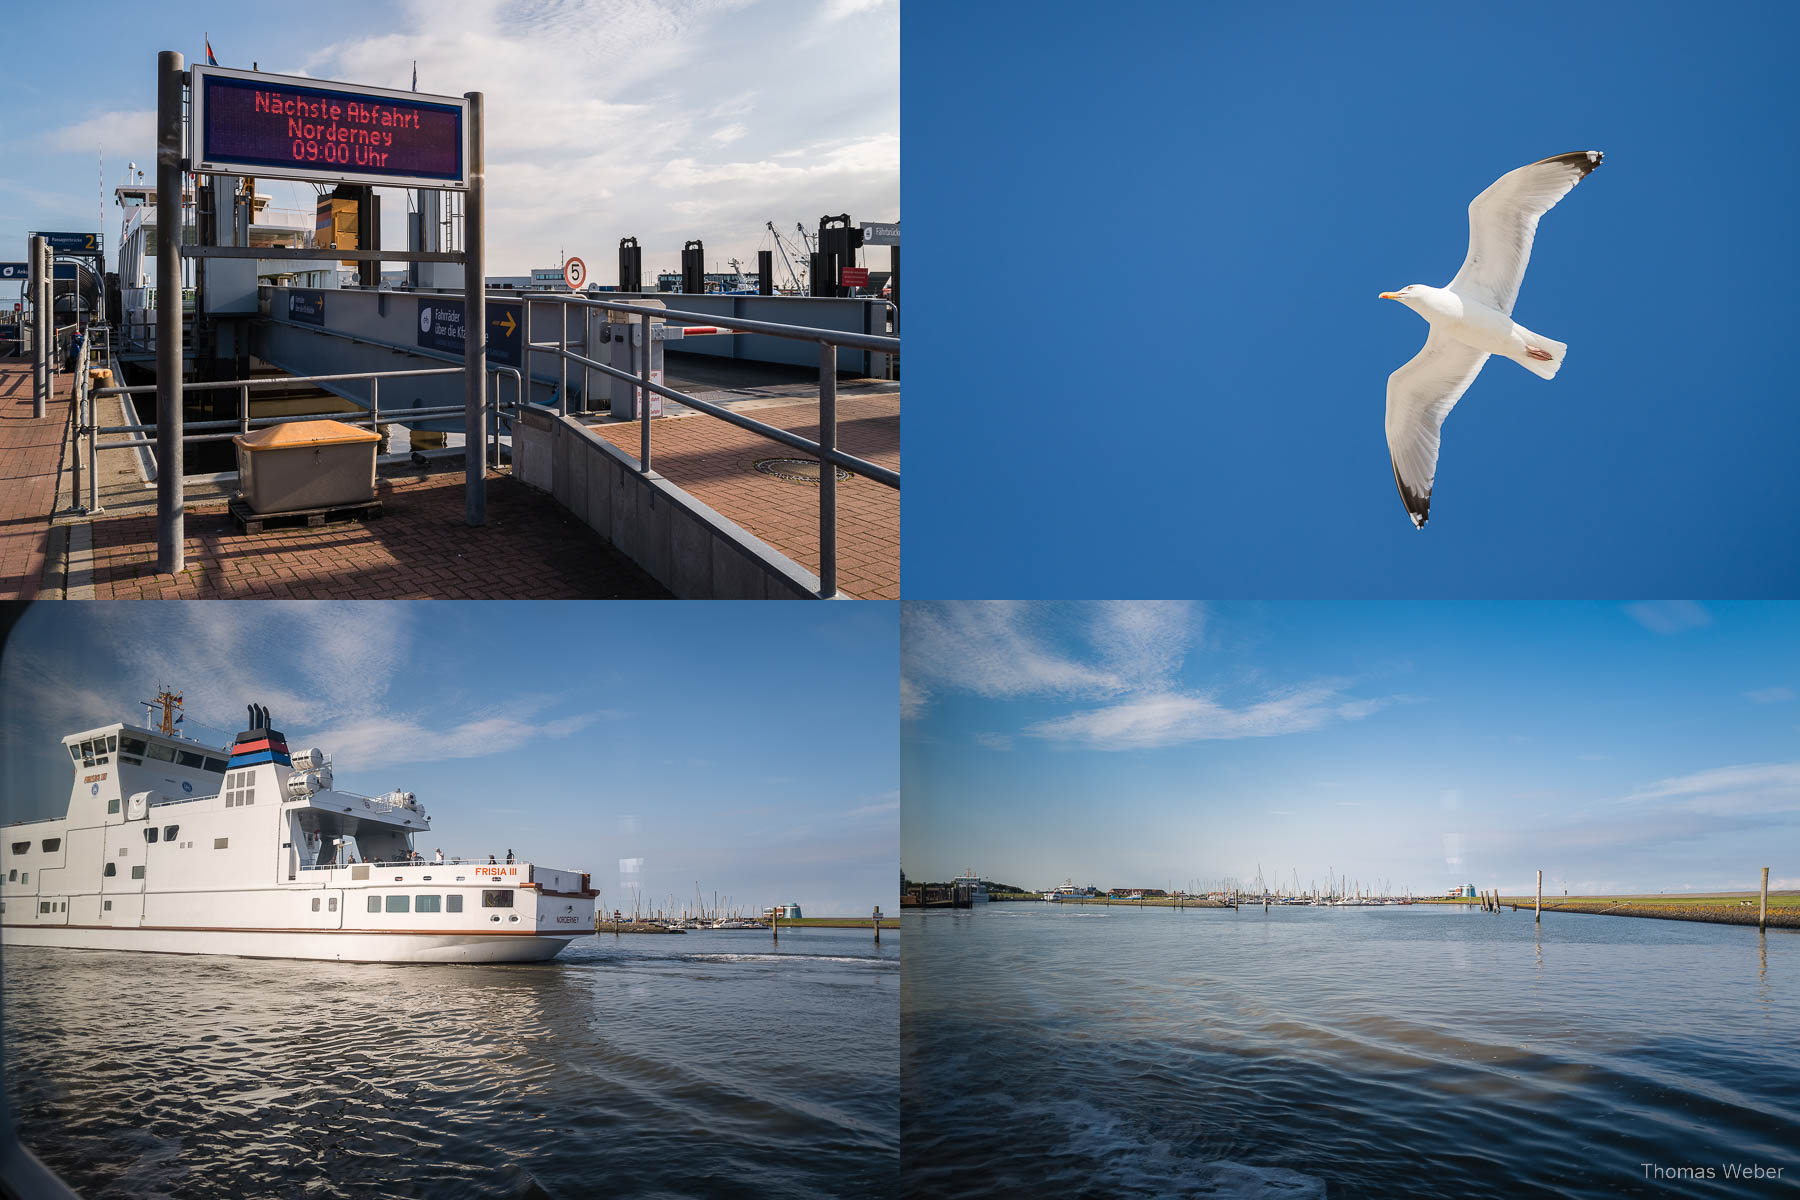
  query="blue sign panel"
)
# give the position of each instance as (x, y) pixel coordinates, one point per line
(441, 327)
(307, 308)
(73, 243)
(15, 272)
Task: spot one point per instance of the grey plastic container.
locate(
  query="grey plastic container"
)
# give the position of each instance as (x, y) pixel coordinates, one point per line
(305, 465)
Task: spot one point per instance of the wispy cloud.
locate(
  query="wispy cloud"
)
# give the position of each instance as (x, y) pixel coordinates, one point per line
(1770, 695)
(1125, 659)
(994, 741)
(1669, 616)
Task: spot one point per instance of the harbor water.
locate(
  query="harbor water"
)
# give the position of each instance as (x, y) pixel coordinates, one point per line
(1069, 1050)
(710, 1063)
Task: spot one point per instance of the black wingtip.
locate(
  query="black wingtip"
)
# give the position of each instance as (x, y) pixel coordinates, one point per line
(1418, 506)
(1582, 160)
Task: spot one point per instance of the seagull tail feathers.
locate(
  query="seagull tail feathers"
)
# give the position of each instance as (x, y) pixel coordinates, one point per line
(1544, 368)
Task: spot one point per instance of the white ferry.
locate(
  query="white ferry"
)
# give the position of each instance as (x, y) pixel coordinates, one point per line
(978, 893)
(172, 846)
(1069, 892)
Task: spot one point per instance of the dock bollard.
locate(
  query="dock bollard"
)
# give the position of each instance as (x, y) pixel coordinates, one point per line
(1540, 899)
(878, 924)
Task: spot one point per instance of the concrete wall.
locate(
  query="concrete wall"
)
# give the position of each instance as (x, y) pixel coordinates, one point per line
(692, 550)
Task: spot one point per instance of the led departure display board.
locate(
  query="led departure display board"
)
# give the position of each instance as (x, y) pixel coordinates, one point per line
(248, 123)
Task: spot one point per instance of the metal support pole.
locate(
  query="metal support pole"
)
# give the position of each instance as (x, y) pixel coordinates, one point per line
(170, 514)
(244, 411)
(1540, 899)
(827, 471)
(475, 318)
(41, 324)
(562, 392)
(81, 404)
(93, 449)
(644, 355)
(1762, 913)
(374, 405)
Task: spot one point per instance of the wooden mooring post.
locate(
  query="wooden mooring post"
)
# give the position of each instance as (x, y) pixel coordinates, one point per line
(1539, 918)
(1762, 914)
(878, 924)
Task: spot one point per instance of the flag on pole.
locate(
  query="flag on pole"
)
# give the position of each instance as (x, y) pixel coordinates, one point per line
(210, 60)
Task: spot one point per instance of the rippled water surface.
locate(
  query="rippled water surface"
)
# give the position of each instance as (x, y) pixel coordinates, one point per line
(1425, 1051)
(696, 1065)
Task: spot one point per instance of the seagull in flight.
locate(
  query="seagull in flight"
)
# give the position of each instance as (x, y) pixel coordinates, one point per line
(1472, 318)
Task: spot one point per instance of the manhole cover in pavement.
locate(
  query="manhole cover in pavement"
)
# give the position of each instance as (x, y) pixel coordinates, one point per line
(795, 470)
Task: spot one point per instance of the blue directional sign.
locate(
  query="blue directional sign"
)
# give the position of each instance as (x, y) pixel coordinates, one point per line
(306, 307)
(73, 243)
(15, 272)
(442, 327)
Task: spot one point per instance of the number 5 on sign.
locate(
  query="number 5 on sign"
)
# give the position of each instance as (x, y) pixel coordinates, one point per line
(575, 274)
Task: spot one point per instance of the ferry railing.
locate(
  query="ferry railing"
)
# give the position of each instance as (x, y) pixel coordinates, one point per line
(204, 431)
(825, 449)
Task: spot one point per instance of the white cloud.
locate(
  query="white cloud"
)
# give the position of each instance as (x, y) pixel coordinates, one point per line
(1669, 616)
(837, 10)
(121, 134)
(381, 741)
(1745, 789)
(1770, 695)
(1173, 718)
(990, 648)
(994, 741)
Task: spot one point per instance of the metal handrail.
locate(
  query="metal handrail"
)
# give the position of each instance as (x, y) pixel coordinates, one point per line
(801, 333)
(244, 423)
(825, 448)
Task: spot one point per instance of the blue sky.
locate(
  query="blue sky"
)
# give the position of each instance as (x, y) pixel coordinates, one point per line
(749, 747)
(1636, 747)
(659, 119)
(1240, 182)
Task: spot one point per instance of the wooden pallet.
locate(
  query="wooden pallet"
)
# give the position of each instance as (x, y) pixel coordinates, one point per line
(250, 521)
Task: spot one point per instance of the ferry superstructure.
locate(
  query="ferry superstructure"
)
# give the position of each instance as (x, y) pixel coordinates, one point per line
(169, 845)
(978, 893)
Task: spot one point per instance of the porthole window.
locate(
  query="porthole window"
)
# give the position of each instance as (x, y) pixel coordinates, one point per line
(374, 903)
(426, 903)
(137, 872)
(315, 904)
(334, 904)
(453, 903)
(111, 870)
(396, 904)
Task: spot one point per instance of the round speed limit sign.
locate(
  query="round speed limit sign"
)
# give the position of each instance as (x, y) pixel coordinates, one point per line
(575, 274)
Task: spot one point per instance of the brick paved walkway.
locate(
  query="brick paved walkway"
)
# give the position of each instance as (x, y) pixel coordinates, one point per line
(419, 548)
(30, 455)
(714, 461)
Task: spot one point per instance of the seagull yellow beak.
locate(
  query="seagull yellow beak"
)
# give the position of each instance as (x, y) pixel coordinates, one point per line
(1388, 296)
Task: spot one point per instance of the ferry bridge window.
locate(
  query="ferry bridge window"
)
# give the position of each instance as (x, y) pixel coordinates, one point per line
(496, 899)
(137, 872)
(374, 903)
(112, 742)
(110, 870)
(160, 752)
(215, 766)
(452, 903)
(75, 752)
(396, 904)
(425, 903)
(52, 845)
(169, 832)
(188, 758)
(21, 847)
(112, 806)
(134, 746)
